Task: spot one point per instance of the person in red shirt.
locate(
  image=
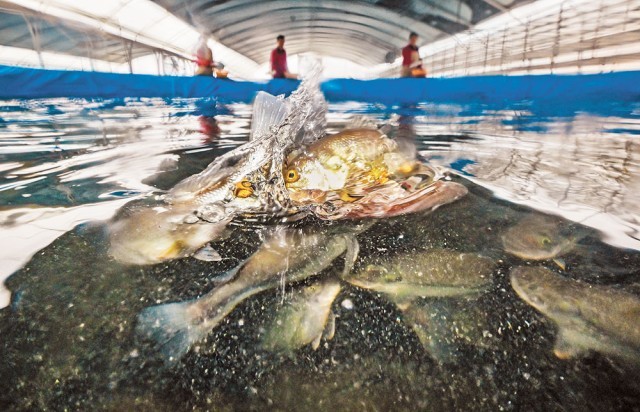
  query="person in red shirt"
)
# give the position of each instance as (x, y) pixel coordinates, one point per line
(411, 61)
(279, 68)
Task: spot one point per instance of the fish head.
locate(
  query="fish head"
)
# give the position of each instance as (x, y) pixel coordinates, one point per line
(546, 291)
(322, 295)
(373, 275)
(306, 176)
(537, 239)
(150, 236)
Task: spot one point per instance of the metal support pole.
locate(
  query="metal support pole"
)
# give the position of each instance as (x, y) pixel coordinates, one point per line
(526, 46)
(555, 50)
(486, 53)
(89, 44)
(128, 52)
(594, 44)
(504, 41)
(35, 38)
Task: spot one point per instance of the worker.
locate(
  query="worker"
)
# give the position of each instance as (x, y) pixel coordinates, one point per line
(204, 58)
(411, 61)
(279, 68)
(204, 61)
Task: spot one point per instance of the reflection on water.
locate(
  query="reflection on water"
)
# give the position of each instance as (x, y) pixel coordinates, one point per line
(436, 313)
(78, 159)
(585, 167)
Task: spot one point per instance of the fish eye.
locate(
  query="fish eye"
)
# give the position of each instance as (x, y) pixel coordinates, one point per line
(291, 176)
(545, 241)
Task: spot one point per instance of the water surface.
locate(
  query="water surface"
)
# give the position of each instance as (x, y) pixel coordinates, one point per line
(68, 341)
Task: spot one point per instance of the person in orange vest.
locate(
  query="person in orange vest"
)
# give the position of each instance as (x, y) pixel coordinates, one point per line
(411, 61)
(279, 68)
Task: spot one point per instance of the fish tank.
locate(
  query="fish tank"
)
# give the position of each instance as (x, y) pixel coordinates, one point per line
(294, 254)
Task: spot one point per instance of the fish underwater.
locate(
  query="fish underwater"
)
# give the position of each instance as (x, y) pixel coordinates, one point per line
(249, 182)
(540, 237)
(428, 287)
(287, 255)
(432, 273)
(589, 317)
(152, 235)
(304, 319)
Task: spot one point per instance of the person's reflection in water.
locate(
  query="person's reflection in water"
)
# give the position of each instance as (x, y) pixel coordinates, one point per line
(207, 110)
(209, 128)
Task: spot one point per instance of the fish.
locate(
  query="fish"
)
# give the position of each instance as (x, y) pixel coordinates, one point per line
(588, 317)
(445, 327)
(152, 235)
(239, 173)
(305, 319)
(198, 209)
(288, 255)
(345, 164)
(539, 237)
(361, 173)
(432, 273)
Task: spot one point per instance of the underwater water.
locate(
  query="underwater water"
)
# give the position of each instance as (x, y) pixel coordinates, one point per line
(548, 187)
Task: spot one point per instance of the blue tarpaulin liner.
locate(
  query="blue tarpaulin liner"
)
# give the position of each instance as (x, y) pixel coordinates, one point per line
(19, 82)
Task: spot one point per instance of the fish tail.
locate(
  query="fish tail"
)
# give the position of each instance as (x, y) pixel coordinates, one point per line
(268, 111)
(171, 328)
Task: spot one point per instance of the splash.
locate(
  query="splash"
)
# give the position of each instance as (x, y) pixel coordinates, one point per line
(246, 182)
(278, 124)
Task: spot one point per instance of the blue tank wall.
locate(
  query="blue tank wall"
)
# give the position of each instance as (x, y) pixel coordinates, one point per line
(17, 82)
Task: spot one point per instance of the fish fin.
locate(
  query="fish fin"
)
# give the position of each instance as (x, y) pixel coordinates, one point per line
(207, 254)
(564, 348)
(171, 329)
(561, 263)
(353, 249)
(315, 343)
(268, 110)
(431, 323)
(330, 328)
(403, 303)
